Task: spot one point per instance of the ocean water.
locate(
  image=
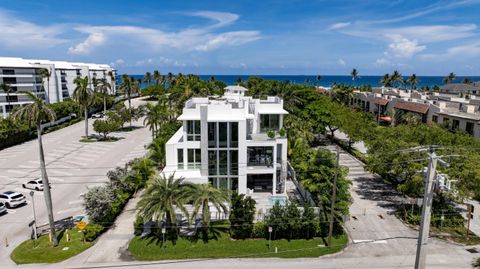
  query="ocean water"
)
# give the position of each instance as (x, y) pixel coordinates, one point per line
(327, 81)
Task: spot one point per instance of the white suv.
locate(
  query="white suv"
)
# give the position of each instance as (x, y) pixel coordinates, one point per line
(3, 208)
(12, 199)
(35, 184)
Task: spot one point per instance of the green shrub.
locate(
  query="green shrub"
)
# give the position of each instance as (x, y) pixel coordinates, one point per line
(413, 219)
(271, 134)
(92, 231)
(282, 132)
(259, 230)
(138, 226)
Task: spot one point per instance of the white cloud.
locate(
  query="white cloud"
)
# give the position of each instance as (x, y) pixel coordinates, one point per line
(230, 39)
(93, 40)
(190, 39)
(222, 18)
(16, 33)
(402, 47)
(464, 51)
(382, 61)
(339, 25)
(117, 62)
(341, 62)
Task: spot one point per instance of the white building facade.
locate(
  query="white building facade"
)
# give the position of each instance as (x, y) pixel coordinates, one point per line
(455, 110)
(24, 75)
(224, 141)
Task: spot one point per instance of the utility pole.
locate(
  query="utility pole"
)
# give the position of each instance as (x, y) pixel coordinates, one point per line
(334, 197)
(426, 212)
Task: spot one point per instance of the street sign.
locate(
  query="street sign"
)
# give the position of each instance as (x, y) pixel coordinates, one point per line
(270, 229)
(163, 230)
(81, 225)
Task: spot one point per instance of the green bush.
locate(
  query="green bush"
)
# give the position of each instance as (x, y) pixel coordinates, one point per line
(259, 230)
(138, 226)
(413, 219)
(92, 231)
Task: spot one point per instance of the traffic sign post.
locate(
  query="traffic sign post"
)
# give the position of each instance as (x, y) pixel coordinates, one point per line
(81, 225)
(163, 237)
(270, 229)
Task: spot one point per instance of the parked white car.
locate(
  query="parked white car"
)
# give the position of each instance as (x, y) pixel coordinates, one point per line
(3, 208)
(98, 115)
(35, 184)
(12, 199)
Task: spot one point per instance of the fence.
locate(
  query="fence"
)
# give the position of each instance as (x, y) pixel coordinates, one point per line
(306, 196)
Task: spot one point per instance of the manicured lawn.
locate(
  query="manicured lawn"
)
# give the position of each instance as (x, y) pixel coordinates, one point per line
(224, 247)
(44, 253)
(88, 140)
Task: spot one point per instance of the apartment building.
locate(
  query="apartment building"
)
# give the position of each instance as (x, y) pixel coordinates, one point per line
(224, 141)
(24, 75)
(457, 109)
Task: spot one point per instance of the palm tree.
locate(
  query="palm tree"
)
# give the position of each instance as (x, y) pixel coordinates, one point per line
(354, 74)
(147, 78)
(129, 87)
(46, 74)
(386, 80)
(112, 81)
(202, 196)
(396, 77)
(8, 90)
(161, 198)
(35, 113)
(413, 80)
(318, 78)
(152, 118)
(104, 88)
(467, 81)
(84, 96)
(449, 78)
(157, 77)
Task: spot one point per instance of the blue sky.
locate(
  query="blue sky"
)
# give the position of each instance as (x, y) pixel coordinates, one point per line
(249, 37)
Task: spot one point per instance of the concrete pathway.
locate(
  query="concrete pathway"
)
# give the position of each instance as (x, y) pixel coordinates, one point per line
(112, 245)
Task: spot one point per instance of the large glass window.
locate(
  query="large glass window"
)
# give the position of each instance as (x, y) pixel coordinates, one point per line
(269, 122)
(180, 158)
(260, 156)
(194, 158)
(212, 162)
(222, 134)
(234, 162)
(222, 162)
(233, 134)
(212, 134)
(193, 130)
(469, 127)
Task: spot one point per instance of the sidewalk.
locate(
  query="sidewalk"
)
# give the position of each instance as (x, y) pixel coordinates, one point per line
(110, 246)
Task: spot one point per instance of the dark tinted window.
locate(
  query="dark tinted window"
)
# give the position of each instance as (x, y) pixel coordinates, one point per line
(17, 196)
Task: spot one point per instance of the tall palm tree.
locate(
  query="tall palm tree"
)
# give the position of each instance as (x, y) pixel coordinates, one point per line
(147, 78)
(129, 87)
(449, 78)
(202, 196)
(413, 80)
(386, 80)
(156, 76)
(162, 197)
(112, 81)
(46, 74)
(104, 88)
(354, 74)
(152, 118)
(8, 90)
(396, 77)
(34, 114)
(318, 78)
(84, 96)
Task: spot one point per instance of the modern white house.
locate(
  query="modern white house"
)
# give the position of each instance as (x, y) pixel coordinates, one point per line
(224, 141)
(24, 75)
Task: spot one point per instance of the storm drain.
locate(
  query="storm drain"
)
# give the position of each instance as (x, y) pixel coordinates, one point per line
(472, 250)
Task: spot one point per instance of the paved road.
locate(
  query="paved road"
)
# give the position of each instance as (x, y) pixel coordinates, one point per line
(72, 167)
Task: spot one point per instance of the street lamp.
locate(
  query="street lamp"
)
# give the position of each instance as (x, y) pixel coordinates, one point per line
(34, 216)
